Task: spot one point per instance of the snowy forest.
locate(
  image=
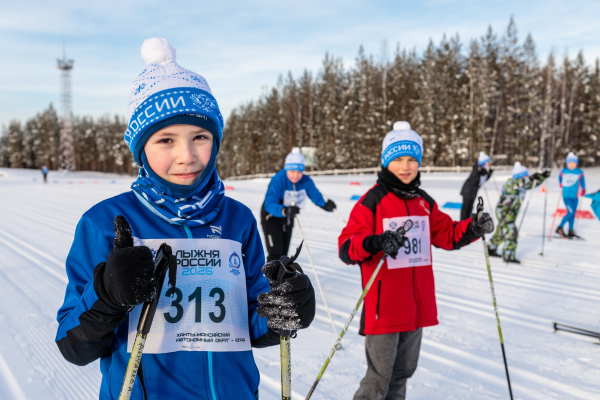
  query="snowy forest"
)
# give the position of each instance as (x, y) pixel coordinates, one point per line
(98, 143)
(493, 95)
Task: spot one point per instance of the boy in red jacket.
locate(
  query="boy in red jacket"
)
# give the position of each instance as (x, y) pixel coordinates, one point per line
(402, 299)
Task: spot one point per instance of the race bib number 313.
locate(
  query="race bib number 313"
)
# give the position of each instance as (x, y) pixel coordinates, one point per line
(208, 309)
(416, 251)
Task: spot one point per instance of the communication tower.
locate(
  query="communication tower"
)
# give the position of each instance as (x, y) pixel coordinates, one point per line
(66, 151)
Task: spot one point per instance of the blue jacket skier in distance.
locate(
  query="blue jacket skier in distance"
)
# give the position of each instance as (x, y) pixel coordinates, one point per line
(572, 183)
(200, 345)
(286, 196)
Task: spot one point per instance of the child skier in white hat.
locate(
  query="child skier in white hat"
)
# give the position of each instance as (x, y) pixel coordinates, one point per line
(200, 345)
(402, 299)
(286, 196)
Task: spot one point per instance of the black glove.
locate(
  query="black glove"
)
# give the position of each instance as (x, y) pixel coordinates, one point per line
(127, 278)
(481, 226)
(546, 173)
(290, 305)
(389, 242)
(290, 211)
(329, 206)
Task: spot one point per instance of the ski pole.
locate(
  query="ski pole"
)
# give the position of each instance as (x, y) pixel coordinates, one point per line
(526, 206)
(496, 185)
(544, 223)
(337, 213)
(402, 230)
(489, 270)
(312, 264)
(285, 271)
(162, 263)
(489, 202)
(554, 216)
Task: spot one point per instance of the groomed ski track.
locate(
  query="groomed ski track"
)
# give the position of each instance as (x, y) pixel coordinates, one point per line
(460, 358)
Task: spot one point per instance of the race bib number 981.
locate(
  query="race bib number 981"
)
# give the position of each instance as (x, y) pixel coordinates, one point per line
(208, 309)
(416, 251)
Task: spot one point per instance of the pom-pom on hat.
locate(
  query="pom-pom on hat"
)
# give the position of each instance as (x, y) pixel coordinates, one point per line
(401, 141)
(294, 161)
(166, 94)
(571, 157)
(519, 171)
(483, 159)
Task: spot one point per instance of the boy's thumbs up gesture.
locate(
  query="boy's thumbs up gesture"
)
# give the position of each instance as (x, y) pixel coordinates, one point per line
(127, 278)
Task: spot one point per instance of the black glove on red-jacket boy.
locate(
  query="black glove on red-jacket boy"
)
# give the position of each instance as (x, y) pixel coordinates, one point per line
(389, 242)
(127, 277)
(481, 226)
(290, 305)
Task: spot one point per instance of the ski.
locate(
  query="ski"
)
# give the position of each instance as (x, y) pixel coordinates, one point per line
(572, 329)
(567, 237)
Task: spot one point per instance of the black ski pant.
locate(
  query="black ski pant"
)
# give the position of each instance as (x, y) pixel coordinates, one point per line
(391, 359)
(278, 235)
(467, 207)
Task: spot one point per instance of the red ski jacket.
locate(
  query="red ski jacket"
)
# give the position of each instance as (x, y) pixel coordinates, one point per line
(402, 297)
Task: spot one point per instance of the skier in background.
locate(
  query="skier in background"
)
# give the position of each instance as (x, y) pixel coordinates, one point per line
(572, 183)
(508, 208)
(45, 173)
(285, 197)
(221, 289)
(479, 175)
(402, 299)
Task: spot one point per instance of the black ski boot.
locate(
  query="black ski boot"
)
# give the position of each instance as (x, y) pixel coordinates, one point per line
(492, 252)
(509, 257)
(561, 232)
(572, 235)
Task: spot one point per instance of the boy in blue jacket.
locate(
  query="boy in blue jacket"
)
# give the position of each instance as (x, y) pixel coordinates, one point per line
(572, 183)
(201, 338)
(286, 196)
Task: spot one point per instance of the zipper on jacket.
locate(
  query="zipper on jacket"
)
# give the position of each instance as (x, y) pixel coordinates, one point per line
(209, 354)
(378, 297)
(413, 272)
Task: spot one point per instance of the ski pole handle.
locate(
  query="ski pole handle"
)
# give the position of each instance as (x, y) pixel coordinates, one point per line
(161, 263)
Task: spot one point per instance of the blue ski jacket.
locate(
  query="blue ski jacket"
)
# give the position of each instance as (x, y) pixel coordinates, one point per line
(571, 181)
(280, 184)
(88, 329)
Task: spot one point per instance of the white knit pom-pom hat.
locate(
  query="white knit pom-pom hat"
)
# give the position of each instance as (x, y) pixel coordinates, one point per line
(165, 94)
(294, 161)
(401, 141)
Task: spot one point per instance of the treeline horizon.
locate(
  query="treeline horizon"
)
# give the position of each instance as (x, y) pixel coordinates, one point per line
(493, 96)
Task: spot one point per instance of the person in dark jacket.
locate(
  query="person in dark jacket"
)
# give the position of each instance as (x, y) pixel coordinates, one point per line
(286, 196)
(225, 300)
(479, 175)
(402, 299)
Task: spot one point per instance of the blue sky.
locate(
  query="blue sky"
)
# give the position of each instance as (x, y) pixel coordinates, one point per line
(238, 46)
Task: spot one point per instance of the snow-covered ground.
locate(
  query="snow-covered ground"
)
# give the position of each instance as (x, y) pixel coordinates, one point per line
(460, 358)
